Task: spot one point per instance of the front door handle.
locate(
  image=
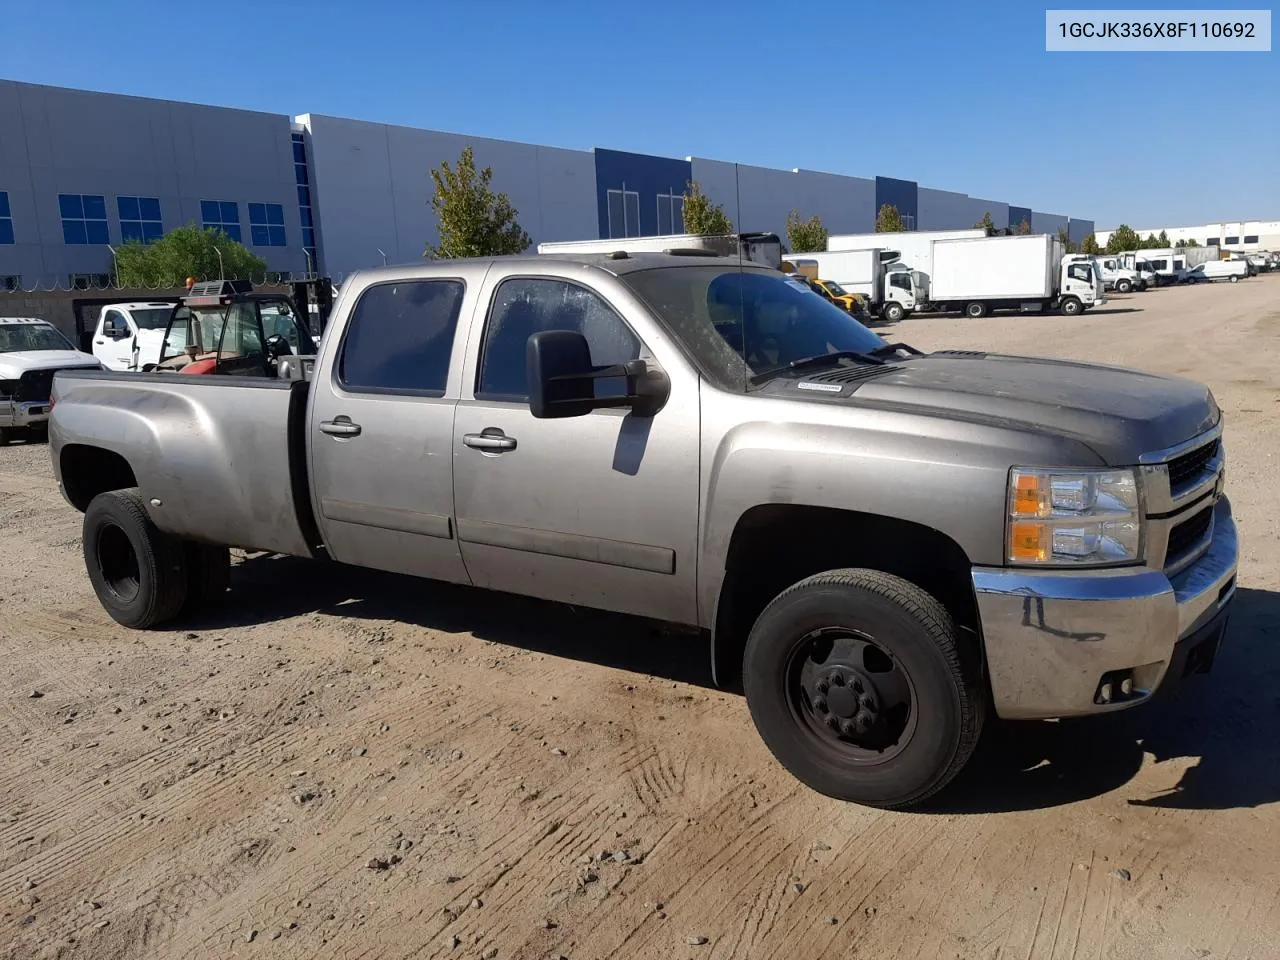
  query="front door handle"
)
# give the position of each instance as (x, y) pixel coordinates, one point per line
(490, 439)
(99, 341)
(340, 427)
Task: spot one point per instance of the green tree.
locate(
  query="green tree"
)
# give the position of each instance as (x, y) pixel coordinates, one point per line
(186, 252)
(1163, 239)
(889, 220)
(1068, 244)
(473, 220)
(806, 236)
(1151, 243)
(1123, 238)
(986, 223)
(1090, 245)
(1192, 242)
(1023, 228)
(702, 216)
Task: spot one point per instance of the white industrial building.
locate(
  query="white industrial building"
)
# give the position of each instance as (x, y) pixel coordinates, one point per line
(83, 172)
(1229, 235)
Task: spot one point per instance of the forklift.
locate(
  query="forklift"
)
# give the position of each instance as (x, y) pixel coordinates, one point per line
(224, 327)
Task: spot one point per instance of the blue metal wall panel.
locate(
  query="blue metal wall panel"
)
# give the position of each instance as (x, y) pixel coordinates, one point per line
(903, 194)
(647, 176)
(1077, 230)
(1018, 214)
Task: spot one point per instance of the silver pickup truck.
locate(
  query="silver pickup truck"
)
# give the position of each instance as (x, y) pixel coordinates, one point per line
(881, 545)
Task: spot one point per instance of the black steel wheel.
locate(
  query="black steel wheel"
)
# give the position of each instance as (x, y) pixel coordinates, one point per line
(857, 683)
(137, 571)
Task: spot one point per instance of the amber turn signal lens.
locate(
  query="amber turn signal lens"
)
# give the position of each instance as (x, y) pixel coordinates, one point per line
(1028, 542)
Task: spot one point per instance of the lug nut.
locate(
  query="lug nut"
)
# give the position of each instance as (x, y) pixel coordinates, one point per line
(857, 685)
(820, 703)
(823, 686)
(1104, 694)
(848, 728)
(837, 680)
(833, 721)
(1126, 686)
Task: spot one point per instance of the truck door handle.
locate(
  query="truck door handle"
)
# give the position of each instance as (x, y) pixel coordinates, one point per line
(99, 341)
(340, 427)
(491, 439)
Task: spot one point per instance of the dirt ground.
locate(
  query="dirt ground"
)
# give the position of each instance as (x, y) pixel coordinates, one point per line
(354, 765)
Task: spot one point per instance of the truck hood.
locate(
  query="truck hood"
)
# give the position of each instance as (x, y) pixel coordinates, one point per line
(14, 365)
(1118, 413)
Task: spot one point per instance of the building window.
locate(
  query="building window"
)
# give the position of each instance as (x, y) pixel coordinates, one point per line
(266, 224)
(1250, 238)
(670, 213)
(1212, 241)
(90, 281)
(221, 215)
(624, 213)
(84, 218)
(909, 221)
(139, 219)
(1231, 240)
(10, 282)
(6, 219)
(301, 175)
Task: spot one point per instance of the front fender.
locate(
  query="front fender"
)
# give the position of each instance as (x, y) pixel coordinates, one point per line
(944, 474)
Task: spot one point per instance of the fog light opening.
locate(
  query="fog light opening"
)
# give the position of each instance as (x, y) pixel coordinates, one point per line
(1116, 686)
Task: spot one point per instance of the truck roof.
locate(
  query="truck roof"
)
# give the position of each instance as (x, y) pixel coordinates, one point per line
(138, 305)
(24, 320)
(618, 263)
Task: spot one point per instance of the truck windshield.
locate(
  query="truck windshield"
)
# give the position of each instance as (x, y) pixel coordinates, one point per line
(835, 289)
(152, 318)
(16, 337)
(737, 324)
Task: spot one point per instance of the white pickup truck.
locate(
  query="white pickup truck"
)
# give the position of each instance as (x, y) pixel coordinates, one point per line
(31, 351)
(128, 336)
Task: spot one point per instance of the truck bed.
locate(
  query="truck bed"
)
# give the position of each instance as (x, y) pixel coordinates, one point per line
(217, 458)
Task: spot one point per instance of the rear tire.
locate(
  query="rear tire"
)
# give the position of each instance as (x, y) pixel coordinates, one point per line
(1235, 279)
(878, 642)
(137, 571)
(976, 310)
(1071, 307)
(208, 576)
(893, 312)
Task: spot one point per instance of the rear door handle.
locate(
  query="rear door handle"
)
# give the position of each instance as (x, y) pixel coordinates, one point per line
(491, 439)
(340, 427)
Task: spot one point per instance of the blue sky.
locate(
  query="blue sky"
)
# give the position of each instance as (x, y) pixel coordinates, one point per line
(958, 96)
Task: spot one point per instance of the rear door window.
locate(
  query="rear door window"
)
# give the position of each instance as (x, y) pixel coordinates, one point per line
(400, 338)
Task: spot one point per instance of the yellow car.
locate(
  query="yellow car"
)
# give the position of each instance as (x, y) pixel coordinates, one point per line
(855, 303)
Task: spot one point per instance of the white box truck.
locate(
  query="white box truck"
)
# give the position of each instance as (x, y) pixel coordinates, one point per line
(763, 248)
(1028, 273)
(907, 241)
(891, 293)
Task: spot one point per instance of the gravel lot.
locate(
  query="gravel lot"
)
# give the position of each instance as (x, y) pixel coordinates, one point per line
(346, 764)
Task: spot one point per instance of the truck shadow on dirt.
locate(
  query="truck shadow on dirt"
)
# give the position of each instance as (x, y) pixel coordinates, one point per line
(1227, 723)
(266, 589)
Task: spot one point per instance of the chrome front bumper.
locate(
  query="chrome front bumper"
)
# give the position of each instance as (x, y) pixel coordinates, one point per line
(1051, 636)
(28, 413)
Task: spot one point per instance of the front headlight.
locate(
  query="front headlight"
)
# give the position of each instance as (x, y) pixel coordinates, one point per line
(1073, 518)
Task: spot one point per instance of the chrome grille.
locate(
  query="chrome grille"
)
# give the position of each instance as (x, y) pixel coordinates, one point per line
(1186, 469)
(1186, 537)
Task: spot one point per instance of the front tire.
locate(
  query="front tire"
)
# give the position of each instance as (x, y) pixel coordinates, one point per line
(137, 571)
(1124, 286)
(893, 312)
(1071, 307)
(858, 686)
(1235, 279)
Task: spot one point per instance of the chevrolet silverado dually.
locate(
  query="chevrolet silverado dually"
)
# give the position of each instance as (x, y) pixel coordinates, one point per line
(880, 545)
